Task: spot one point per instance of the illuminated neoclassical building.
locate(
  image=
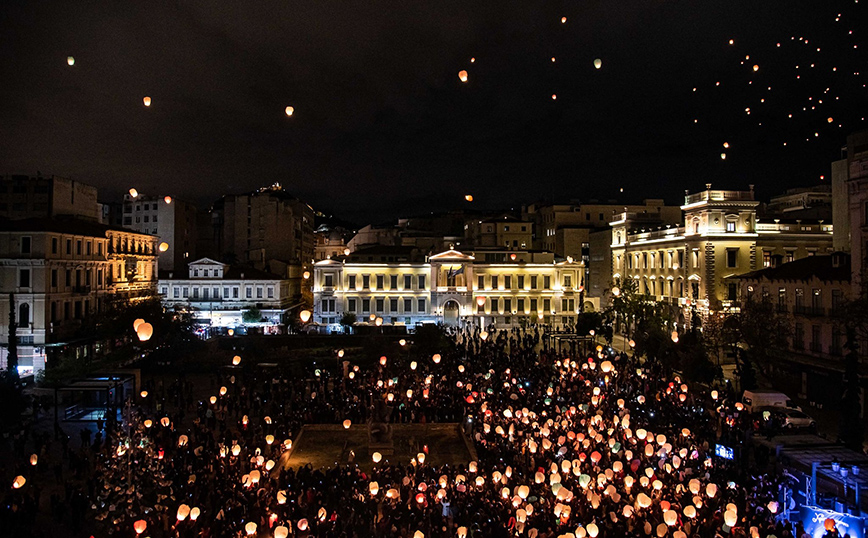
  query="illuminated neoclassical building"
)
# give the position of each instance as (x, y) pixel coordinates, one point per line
(719, 237)
(62, 274)
(483, 288)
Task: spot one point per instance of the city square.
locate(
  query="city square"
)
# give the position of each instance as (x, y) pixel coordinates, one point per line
(433, 270)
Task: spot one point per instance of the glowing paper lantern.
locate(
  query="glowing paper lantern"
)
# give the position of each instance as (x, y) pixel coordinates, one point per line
(304, 315)
(462, 75)
(281, 532)
(137, 323)
(616, 291)
(690, 511)
(250, 528)
(145, 331)
(134, 193)
(593, 530)
(711, 490)
(269, 439)
(70, 60)
(468, 197)
(168, 199)
(140, 526)
(236, 360)
(289, 110)
(195, 513)
(18, 482)
(643, 500)
(376, 457)
(147, 101)
(670, 517)
(436, 358)
(182, 441)
(480, 301)
(302, 524)
(829, 524)
(598, 63)
(164, 246)
(165, 422)
(730, 518)
(347, 424)
(183, 512)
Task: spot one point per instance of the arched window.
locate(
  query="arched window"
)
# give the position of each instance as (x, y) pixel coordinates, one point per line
(23, 314)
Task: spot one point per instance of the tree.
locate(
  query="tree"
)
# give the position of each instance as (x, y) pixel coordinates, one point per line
(348, 320)
(760, 331)
(253, 315)
(851, 429)
(12, 355)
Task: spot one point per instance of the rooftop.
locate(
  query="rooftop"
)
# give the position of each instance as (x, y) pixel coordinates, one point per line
(832, 267)
(62, 225)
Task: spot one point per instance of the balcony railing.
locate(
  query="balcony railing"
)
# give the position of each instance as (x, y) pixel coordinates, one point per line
(816, 347)
(809, 310)
(718, 196)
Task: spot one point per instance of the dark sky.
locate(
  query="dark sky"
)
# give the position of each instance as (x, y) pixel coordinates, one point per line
(382, 124)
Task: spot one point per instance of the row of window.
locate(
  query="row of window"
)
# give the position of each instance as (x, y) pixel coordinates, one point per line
(505, 305)
(213, 293)
(816, 298)
(522, 282)
(380, 305)
(816, 344)
(380, 282)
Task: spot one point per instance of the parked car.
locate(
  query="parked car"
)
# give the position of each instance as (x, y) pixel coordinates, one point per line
(795, 418)
(787, 417)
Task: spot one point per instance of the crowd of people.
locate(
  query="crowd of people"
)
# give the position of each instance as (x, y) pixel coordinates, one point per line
(600, 444)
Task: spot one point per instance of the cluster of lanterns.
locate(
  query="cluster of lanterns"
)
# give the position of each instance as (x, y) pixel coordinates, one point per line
(143, 329)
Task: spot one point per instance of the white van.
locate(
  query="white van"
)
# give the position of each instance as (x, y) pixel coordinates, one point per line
(754, 399)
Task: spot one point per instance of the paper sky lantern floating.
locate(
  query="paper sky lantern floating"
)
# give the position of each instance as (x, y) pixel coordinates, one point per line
(140, 526)
(598, 63)
(70, 60)
(195, 513)
(436, 358)
(468, 197)
(137, 323)
(18, 482)
(250, 528)
(164, 246)
(376, 457)
(34, 459)
(563, 20)
(147, 101)
(168, 199)
(304, 315)
(462, 75)
(145, 331)
(183, 512)
(281, 532)
(289, 111)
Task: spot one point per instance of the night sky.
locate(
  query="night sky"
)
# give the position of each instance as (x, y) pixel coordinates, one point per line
(384, 127)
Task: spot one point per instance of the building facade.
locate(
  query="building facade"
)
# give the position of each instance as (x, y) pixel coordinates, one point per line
(719, 237)
(173, 221)
(24, 197)
(857, 196)
(218, 295)
(60, 273)
(451, 287)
